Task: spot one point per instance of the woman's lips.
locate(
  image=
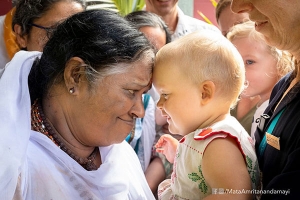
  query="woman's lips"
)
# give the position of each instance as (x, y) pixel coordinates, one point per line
(260, 25)
(129, 121)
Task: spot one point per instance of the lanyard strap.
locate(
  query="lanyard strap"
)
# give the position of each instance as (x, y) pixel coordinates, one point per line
(263, 143)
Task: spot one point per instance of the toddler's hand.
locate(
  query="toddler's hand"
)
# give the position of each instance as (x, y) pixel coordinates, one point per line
(167, 145)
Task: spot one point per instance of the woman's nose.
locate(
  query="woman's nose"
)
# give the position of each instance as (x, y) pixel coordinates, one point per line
(138, 110)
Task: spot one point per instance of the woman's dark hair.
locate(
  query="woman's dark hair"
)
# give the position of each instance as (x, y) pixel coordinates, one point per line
(29, 10)
(101, 38)
(144, 18)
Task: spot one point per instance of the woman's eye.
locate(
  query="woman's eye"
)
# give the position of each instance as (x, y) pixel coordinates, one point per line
(249, 62)
(131, 91)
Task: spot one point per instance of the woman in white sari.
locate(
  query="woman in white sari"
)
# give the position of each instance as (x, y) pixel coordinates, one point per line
(64, 114)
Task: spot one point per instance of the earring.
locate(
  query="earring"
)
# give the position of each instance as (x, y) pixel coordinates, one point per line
(72, 90)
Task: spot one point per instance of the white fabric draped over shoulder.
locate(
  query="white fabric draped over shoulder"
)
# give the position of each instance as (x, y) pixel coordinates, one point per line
(33, 167)
(14, 121)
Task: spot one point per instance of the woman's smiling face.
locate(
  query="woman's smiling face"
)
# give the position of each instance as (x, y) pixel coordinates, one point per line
(277, 20)
(106, 116)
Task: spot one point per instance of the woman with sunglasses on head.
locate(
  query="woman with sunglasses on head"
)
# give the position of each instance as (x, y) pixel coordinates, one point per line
(33, 21)
(65, 118)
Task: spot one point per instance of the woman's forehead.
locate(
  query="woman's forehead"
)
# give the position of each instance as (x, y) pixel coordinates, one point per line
(138, 73)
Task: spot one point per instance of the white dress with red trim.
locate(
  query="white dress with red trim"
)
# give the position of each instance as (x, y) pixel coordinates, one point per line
(187, 180)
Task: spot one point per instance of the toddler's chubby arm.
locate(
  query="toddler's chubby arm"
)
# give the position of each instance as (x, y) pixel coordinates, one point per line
(224, 166)
(167, 145)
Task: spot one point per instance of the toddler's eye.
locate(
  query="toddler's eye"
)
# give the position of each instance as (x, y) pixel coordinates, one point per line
(249, 62)
(165, 96)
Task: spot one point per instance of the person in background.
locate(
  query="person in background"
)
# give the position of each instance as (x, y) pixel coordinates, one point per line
(157, 32)
(32, 23)
(65, 117)
(153, 27)
(215, 151)
(226, 18)
(278, 134)
(8, 44)
(179, 23)
(246, 106)
(264, 64)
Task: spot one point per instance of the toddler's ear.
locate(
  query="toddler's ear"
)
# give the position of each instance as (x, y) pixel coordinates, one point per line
(208, 89)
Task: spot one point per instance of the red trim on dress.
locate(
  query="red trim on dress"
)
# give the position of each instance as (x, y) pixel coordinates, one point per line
(205, 133)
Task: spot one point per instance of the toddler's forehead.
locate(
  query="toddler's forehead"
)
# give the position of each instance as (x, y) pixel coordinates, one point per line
(168, 67)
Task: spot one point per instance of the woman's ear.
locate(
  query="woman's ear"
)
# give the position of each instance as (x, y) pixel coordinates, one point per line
(208, 90)
(21, 39)
(73, 73)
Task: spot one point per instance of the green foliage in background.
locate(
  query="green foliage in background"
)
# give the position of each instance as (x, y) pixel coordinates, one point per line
(101, 4)
(123, 7)
(127, 6)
